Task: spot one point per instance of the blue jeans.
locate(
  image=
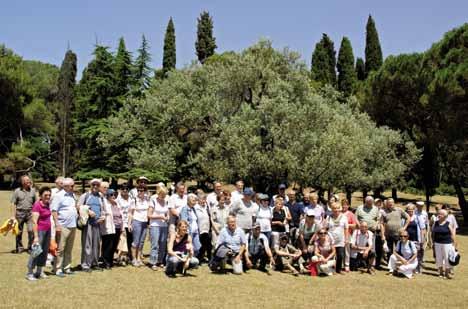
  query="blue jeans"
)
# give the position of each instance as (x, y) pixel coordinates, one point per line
(139, 230)
(158, 235)
(173, 264)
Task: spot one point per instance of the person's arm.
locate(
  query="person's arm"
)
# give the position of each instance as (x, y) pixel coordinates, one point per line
(269, 253)
(131, 211)
(35, 217)
(318, 253)
(13, 205)
(332, 255)
(170, 245)
(453, 234)
(301, 240)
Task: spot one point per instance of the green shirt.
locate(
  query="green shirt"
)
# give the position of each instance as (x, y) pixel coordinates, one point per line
(369, 215)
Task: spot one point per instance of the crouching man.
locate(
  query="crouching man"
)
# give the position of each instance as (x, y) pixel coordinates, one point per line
(258, 250)
(230, 248)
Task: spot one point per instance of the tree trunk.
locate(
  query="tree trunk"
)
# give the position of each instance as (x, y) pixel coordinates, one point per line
(349, 195)
(83, 184)
(364, 194)
(428, 200)
(461, 201)
(377, 193)
(394, 194)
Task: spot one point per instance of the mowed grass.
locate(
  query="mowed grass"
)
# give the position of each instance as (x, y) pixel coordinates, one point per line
(127, 287)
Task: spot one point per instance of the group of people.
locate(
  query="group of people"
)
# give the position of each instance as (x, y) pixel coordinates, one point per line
(242, 228)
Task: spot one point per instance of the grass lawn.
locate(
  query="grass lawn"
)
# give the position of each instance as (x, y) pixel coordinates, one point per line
(128, 287)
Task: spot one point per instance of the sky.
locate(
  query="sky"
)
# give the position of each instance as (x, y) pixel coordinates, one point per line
(42, 30)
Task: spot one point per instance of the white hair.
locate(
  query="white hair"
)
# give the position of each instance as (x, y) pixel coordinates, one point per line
(68, 182)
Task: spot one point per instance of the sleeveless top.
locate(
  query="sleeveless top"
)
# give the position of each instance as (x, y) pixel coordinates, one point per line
(278, 216)
(412, 230)
(180, 246)
(442, 233)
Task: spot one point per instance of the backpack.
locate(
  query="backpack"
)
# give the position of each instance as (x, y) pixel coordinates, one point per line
(411, 245)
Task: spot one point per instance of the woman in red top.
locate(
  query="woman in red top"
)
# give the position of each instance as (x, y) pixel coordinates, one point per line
(41, 228)
(352, 224)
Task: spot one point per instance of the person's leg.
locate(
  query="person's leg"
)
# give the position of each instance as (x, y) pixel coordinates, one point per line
(63, 238)
(439, 257)
(391, 243)
(370, 261)
(339, 259)
(68, 250)
(171, 265)
(162, 244)
(193, 262)
(420, 247)
(129, 236)
(96, 244)
(154, 239)
(21, 219)
(136, 231)
(378, 250)
(44, 241)
(196, 243)
(392, 263)
(86, 243)
(30, 225)
(201, 252)
(347, 256)
(106, 245)
(144, 232)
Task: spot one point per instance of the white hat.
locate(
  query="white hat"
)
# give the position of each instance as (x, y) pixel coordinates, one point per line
(420, 203)
(95, 180)
(142, 178)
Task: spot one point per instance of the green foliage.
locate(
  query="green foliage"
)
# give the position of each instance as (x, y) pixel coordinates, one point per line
(346, 72)
(141, 69)
(122, 70)
(324, 62)
(43, 79)
(169, 52)
(373, 51)
(254, 115)
(360, 69)
(206, 43)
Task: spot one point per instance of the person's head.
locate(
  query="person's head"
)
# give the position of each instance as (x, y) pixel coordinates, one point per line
(419, 205)
(191, 200)
(369, 201)
(335, 208)
(201, 199)
(322, 234)
(404, 235)
(279, 203)
(363, 227)
(111, 194)
(256, 230)
(124, 190)
(26, 182)
(379, 203)
(182, 227)
(180, 188)
(231, 223)
(142, 181)
(162, 192)
(410, 209)
(44, 194)
(220, 198)
(264, 200)
(313, 198)
(282, 189)
(59, 182)
(104, 187)
(390, 203)
(240, 185)
(248, 194)
(291, 196)
(227, 197)
(442, 214)
(310, 217)
(345, 205)
(217, 187)
(95, 185)
(284, 239)
(141, 192)
(68, 184)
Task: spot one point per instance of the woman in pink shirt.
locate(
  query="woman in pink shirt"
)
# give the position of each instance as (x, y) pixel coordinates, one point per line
(41, 228)
(352, 224)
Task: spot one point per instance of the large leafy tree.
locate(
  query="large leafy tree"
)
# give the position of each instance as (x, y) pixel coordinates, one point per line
(169, 50)
(324, 62)
(205, 44)
(346, 71)
(65, 108)
(373, 51)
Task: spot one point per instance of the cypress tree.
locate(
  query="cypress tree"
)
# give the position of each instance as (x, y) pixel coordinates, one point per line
(373, 52)
(324, 62)
(141, 68)
(65, 98)
(169, 53)
(345, 65)
(122, 69)
(206, 42)
(360, 69)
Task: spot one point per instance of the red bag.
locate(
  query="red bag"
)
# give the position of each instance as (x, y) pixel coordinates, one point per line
(313, 269)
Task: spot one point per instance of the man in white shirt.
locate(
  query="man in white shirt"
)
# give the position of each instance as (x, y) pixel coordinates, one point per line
(362, 242)
(176, 202)
(211, 198)
(236, 195)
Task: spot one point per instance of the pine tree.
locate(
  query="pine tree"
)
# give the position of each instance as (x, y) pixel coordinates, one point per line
(65, 99)
(324, 62)
(169, 53)
(141, 68)
(122, 69)
(206, 42)
(345, 65)
(360, 69)
(373, 52)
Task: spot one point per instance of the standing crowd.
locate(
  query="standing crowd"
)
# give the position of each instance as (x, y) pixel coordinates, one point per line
(229, 231)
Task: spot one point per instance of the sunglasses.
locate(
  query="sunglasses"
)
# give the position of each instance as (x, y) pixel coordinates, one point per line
(322, 233)
(403, 236)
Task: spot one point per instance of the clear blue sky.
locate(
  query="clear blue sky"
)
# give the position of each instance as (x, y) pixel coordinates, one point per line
(41, 30)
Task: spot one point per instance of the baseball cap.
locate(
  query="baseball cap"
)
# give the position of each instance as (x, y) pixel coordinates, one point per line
(248, 191)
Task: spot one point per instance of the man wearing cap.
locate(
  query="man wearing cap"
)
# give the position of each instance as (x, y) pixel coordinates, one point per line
(22, 202)
(142, 182)
(93, 201)
(245, 210)
(258, 250)
(64, 214)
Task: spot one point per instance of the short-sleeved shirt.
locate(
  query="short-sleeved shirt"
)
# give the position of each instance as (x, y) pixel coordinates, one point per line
(64, 203)
(264, 216)
(160, 210)
(393, 221)
(244, 212)
(361, 240)
(140, 209)
(43, 222)
(234, 239)
(256, 245)
(287, 249)
(337, 228)
(318, 211)
(308, 231)
(369, 215)
(203, 216)
(219, 215)
(95, 203)
(296, 210)
(23, 199)
(176, 202)
(406, 250)
(124, 205)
